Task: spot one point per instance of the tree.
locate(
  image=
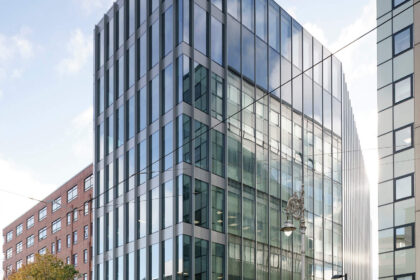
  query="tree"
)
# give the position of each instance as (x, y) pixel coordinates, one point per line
(45, 267)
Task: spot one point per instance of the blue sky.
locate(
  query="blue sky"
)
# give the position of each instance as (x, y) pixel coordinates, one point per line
(46, 86)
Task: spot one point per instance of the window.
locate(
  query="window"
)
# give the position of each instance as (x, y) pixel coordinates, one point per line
(218, 209)
(154, 210)
(68, 260)
(120, 76)
(120, 126)
(167, 258)
(30, 241)
(110, 85)
(201, 259)
(71, 194)
(9, 253)
(248, 52)
(217, 96)
(168, 188)
(168, 27)
(30, 222)
(19, 229)
(234, 8)
(19, 247)
(9, 236)
(9, 270)
(142, 107)
(30, 258)
(183, 81)
(274, 26)
(201, 87)
(58, 245)
(142, 54)
(85, 256)
(404, 237)
(130, 118)
(168, 92)
(403, 138)
(183, 20)
(42, 234)
(42, 251)
(19, 264)
(154, 43)
(184, 200)
(403, 89)
(216, 40)
(154, 261)
(405, 277)
(75, 237)
(234, 43)
(396, 3)
(218, 261)
(247, 14)
(88, 183)
(404, 187)
(154, 154)
(42, 213)
(86, 232)
(261, 57)
(56, 204)
(200, 29)
(201, 143)
(154, 99)
(183, 132)
(201, 196)
(130, 66)
(86, 208)
(68, 240)
(218, 152)
(120, 26)
(261, 16)
(75, 259)
(53, 248)
(402, 40)
(56, 226)
(69, 218)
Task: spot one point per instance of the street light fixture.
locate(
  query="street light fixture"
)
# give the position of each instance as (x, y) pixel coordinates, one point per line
(295, 208)
(340, 276)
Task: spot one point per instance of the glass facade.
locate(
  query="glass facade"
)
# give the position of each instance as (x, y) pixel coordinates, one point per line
(397, 125)
(218, 136)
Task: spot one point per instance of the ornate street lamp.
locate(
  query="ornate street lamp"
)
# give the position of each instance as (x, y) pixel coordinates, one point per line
(295, 208)
(340, 276)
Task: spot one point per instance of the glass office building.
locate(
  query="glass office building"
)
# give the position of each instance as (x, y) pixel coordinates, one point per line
(398, 122)
(208, 116)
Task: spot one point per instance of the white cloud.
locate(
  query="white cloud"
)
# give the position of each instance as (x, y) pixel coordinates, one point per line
(89, 6)
(81, 130)
(17, 45)
(79, 50)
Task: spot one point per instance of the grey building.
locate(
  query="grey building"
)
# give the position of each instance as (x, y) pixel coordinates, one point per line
(208, 116)
(398, 123)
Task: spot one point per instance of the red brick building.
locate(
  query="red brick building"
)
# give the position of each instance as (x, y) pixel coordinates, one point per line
(60, 224)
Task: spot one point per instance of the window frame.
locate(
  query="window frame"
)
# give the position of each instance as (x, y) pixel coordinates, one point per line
(412, 187)
(411, 41)
(411, 89)
(31, 218)
(413, 231)
(56, 204)
(394, 138)
(396, 6)
(72, 193)
(42, 211)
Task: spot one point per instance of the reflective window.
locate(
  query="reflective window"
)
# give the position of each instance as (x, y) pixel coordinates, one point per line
(130, 66)
(131, 17)
(201, 259)
(110, 85)
(402, 40)
(274, 26)
(218, 152)
(403, 138)
(286, 35)
(261, 16)
(396, 3)
(386, 240)
(130, 117)
(218, 261)
(218, 208)
(317, 103)
(154, 260)
(247, 13)
(120, 126)
(184, 255)
(404, 237)
(404, 212)
(141, 264)
(119, 216)
(154, 43)
(405, 277)
(119, 268)
(183, 21)
(248, 54)
(120, 27)
(129, 225)
(184, 188)
(142, 45)
(168, 27)
(234, 8)
(168, 188)
(30, 222)
(154, 210)
(327, 110)
(167, 259)
(119, 176)
(216, 40)
(120, 76)
(403, 89)
(154, 154)
(248, 227)
(200, 29)
(143, 12)
(274, 68)
(217, 96)
(130, 169)
(101, 97)
(168, 145)
(110, 37)
(201, 87)
(168, 93)
(307, 51)
(183, 80)
(297, 44)
(100, 141)
(262, 218)
(297, 93)
(201, 197)
(404, 187)
(141, 214)
(218, 3)
(234, 43)
(142, 158)
(153, 5)
(183, 138)
(129, 266)
(261, 67)
(154, 99)
(142, 107)
(201, 145)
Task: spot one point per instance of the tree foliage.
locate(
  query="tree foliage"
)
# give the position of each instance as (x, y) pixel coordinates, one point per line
(45, 267)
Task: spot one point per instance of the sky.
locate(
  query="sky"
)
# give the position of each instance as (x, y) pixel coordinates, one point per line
(46, 88)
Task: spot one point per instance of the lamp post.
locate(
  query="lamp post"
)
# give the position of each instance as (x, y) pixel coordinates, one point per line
(340, 276)
(295, 208)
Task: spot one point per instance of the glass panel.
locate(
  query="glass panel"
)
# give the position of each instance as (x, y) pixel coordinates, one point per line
(274, 64)
(286, 35)
(200, 29)
(120, 76)
(154, 154)
(141, 266)
(404, 237)
(201, 145)
(234, 42)
(261, 67)
(183, 80)
(248, 51)
(403, 138)
(154, 210)
(184, 199)
(201, 259)
(120, 126)
(142, 158)
(404, 212)
(183, 260)
(247, 13)
(261, 19)
(201, 196)
(234, 209)
(248, 228)
(141, 214)
(405, 261)
(402, 41)
(154, 99)
(154, 43)
(274, 26)
(184, 138)
(183, 21)
(168, 89)
(404, 187)
(130, 117)
(403, 89)
(201, 88)
(154, 261)
(119, 215)
(217, 95)
(218, 261)
(168, 27)
(167, 259)
(386, 240)
(234, 8)
(218, 209)
(168, 204)
(216, 40)
(168, 145)
(262, 218)
(218, 153)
